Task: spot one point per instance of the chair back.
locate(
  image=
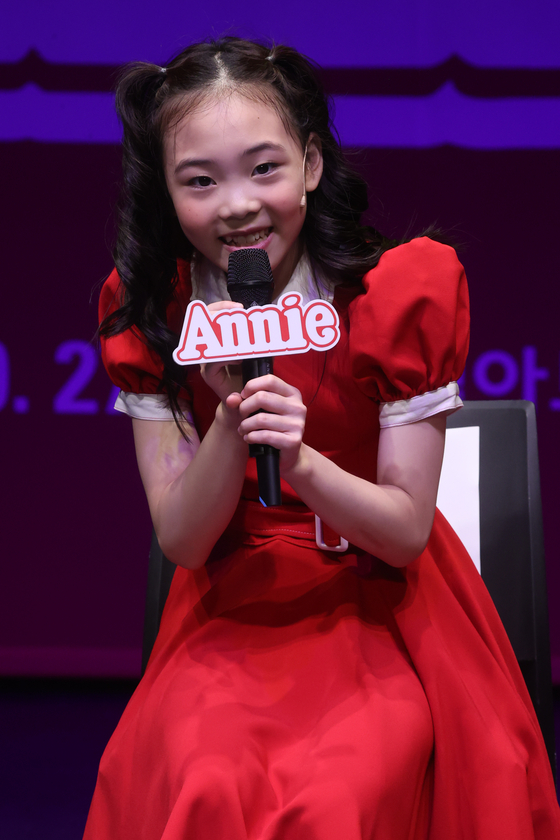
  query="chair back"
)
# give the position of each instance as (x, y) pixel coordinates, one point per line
(510, 536)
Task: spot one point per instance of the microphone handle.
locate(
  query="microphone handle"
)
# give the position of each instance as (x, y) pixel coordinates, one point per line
(268, 468)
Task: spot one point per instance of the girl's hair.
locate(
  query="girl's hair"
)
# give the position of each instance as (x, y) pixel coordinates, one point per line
(150, 100)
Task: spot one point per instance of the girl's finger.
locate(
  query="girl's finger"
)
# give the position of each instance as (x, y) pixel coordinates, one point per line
(233, 400)
(222, 378)
(275, 422)
(210, 368)
(269, 383)
(224, 304)
(272, 403)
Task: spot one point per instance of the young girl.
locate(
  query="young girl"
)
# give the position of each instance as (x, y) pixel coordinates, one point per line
(297, 691)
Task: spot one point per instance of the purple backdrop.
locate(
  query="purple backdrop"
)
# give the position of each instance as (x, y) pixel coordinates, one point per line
(455, 122)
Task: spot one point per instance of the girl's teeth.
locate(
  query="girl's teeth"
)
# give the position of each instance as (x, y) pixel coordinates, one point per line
(250, 239)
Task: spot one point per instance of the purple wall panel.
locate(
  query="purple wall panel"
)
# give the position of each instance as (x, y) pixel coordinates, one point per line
(443, 117)
(75, 549)
(496, 33)
(73, 595)
(77, 531)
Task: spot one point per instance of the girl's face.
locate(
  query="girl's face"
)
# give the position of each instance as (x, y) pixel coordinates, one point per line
(236, 179)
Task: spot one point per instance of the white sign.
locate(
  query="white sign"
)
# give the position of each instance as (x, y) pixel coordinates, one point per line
(458, 494)
(278, 329)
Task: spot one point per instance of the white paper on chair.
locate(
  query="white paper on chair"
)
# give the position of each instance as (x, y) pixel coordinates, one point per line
(458, 494)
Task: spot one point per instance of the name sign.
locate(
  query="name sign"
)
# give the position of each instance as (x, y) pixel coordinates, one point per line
(278, 329)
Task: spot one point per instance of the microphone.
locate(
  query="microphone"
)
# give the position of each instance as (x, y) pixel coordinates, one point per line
(250, 282)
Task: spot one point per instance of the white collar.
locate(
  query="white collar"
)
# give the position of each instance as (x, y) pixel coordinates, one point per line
(209, 282)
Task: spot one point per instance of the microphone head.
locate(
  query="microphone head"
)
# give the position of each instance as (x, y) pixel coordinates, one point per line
(249, 279)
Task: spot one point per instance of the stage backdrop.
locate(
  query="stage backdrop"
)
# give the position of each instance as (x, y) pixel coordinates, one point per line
(451, 111)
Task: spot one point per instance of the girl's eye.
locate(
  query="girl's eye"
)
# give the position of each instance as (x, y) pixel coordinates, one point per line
(201, 181)
(265, 168)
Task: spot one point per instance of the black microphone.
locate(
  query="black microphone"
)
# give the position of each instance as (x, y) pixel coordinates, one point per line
(250, 282)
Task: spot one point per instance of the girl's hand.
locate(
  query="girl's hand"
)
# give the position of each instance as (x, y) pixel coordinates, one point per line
(223, 378)
(281, 422)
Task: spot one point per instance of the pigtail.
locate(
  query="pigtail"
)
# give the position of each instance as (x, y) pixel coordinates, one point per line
(337, 243)
(149, 237)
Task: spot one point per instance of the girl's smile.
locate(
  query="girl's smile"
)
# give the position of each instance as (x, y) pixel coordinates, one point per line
(248, 238)
(236, 178)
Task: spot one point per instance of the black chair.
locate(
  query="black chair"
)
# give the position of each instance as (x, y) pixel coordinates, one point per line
(511, 545)
(160, 575)
(511, 540)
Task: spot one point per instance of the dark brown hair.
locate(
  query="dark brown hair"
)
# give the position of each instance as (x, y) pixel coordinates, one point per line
(149, 100)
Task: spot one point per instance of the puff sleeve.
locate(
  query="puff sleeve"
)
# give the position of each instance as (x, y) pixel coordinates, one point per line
(410, 332)
(131, 363)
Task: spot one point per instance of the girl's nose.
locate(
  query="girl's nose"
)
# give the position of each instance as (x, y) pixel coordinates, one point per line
(238, 203)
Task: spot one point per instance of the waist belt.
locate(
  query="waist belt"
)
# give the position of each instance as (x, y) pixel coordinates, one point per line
(291, 520)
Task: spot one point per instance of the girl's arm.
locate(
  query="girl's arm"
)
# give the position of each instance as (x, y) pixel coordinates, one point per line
(392, 519)
(192, 488)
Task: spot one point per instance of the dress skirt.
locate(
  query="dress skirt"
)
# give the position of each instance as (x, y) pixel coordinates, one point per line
(294, 693)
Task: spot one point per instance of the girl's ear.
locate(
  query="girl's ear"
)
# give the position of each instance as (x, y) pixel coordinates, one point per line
(313, 163)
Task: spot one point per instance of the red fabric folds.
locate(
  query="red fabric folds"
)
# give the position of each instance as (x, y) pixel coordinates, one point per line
(294, 693)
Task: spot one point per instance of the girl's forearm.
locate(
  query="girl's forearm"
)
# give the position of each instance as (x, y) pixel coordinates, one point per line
(383, 520)
(194, 509)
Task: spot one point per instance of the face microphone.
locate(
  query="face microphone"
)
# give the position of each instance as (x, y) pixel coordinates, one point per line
(250, 282)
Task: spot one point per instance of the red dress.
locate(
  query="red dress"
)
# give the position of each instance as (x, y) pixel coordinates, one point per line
(296, 694)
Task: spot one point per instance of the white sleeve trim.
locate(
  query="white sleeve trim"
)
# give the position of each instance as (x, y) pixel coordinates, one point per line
(401, 412)
(148, 406)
